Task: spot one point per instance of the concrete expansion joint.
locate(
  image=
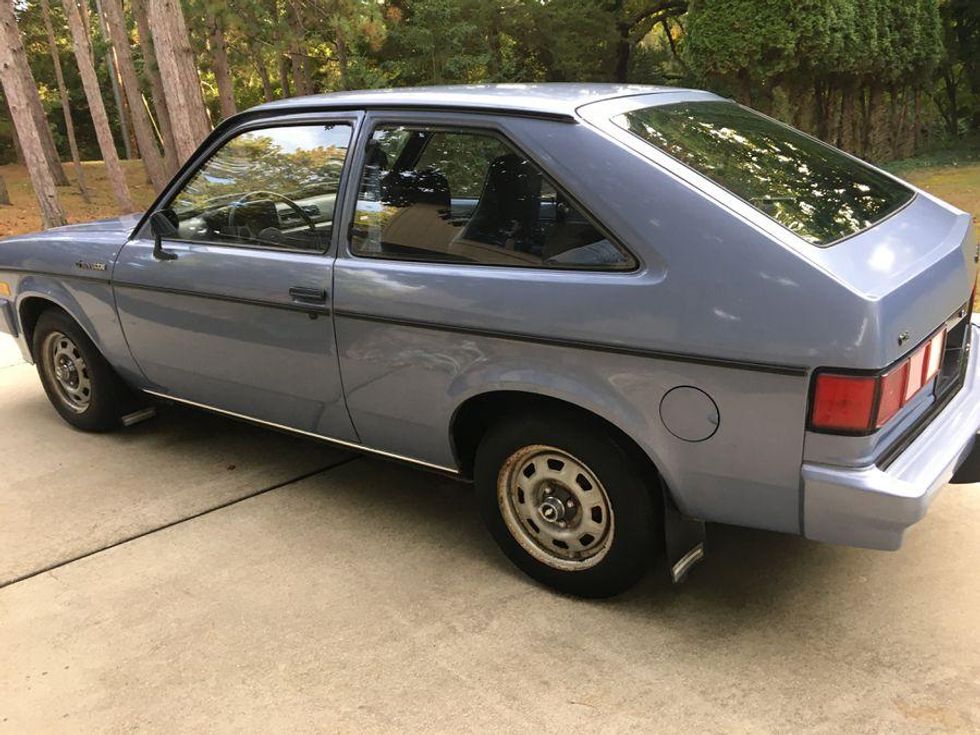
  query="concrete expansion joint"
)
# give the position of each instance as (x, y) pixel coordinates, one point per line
(49, 570)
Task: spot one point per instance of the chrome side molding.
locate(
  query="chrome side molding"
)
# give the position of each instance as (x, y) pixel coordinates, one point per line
(350, 445)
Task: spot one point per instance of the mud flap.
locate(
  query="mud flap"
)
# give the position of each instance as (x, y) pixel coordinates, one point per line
(969, 471)
(683, 540)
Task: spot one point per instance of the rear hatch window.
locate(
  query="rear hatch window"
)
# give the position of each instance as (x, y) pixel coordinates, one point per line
(809, 187)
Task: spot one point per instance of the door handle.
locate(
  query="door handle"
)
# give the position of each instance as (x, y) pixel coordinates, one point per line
(308, 295)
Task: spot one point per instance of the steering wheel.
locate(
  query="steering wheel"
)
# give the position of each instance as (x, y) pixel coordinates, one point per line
(269, 195)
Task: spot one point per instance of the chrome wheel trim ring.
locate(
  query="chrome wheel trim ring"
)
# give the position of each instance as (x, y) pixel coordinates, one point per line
(555, 508)
(67, 371)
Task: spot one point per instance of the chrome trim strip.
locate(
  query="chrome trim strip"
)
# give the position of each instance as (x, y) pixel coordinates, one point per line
(682, 567)
(321, 437)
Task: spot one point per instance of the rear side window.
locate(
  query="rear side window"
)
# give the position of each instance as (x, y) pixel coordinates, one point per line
(808, 187)
(465, 196)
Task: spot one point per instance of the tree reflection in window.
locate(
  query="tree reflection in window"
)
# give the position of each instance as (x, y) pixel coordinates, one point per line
(274, 187)
(808, 187)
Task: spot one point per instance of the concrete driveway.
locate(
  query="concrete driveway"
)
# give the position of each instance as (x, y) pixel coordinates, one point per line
(196, 573)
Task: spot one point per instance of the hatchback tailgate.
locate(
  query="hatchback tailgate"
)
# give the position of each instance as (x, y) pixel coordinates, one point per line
(916, 268)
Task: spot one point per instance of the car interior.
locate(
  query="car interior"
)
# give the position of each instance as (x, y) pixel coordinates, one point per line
(468, 198)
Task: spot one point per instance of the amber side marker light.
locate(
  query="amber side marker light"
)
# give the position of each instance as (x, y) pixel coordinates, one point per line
(859, 404)
(4, 289)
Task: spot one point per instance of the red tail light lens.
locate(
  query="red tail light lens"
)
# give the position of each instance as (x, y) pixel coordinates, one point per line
(843, 402)
(861, 403)
(892, 393)
(916, 373)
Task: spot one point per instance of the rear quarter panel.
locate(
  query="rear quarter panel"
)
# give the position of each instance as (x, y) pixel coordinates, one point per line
(404, 383)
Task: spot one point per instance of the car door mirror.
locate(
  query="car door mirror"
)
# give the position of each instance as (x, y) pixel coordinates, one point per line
(162, 225)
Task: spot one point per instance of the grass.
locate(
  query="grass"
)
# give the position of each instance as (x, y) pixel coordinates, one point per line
(958, 184)
(23, 215)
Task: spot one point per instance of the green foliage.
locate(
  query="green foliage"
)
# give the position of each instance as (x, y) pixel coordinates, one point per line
(837, 64)
(875, 76)
(741, 41)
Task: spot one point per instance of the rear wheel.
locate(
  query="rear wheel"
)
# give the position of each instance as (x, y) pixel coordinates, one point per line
(81, 385)
(567, 503)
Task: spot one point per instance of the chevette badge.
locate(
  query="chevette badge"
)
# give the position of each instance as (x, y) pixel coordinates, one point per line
(90, 266)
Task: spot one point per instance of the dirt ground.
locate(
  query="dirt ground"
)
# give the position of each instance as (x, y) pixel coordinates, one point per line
(959, 185)
(23, 215)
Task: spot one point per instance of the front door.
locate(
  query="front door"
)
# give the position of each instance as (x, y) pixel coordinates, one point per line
(239, 317)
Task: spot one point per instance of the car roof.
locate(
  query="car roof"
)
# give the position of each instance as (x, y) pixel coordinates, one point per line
(552, 99)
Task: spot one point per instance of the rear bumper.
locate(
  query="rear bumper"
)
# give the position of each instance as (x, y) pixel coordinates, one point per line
(871, 507)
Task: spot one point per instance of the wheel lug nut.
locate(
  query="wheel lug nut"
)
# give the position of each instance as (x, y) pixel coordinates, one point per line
(570, 503)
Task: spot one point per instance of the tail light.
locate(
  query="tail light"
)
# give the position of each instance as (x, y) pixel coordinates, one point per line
(859, 404)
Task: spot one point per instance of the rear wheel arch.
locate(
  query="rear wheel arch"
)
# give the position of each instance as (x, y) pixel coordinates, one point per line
(474, 417)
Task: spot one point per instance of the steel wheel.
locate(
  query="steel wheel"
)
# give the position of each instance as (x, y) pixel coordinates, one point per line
(555, 508)
(63, 362)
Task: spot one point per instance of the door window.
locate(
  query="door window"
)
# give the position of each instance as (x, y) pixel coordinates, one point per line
(275, 187)
(464, 196)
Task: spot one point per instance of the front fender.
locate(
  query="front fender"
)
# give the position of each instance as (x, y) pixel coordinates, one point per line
(89, 302)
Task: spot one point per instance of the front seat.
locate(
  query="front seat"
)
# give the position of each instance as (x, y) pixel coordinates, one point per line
(506, 217)
(420, 225)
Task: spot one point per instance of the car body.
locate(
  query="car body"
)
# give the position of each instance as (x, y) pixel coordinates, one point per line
(694, 327)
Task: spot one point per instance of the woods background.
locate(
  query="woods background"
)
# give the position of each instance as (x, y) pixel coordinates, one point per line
(147, 79)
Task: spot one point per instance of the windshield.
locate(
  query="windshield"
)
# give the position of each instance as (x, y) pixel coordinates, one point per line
(808, 187)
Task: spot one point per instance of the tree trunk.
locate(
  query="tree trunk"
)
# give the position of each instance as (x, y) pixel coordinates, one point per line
(18, 152)
(821, 111)
(12, 81)
(100, 119)
(219, 64)
(264, 78)
(65, 104)
(301, 71)
(178, 70)
(114, 83)
(343, 60)
(284, 76)
(33, 101)
(916, 121)
(44, 131)
(145, 138)
(4, 194)
(496, 63)
(157, 94)
(623, 51)
(87, 24)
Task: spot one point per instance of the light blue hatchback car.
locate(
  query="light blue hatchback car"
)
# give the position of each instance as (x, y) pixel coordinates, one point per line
(622, 311)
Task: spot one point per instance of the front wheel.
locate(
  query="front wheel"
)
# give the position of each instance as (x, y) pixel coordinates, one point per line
(81, 385)
(567, 503)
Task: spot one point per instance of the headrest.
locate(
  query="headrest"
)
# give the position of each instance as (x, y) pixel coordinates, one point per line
(405, 188)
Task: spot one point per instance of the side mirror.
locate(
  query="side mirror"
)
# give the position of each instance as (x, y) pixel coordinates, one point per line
(162, 225)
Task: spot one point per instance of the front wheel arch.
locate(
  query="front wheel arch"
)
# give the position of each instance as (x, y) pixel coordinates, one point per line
(29, 311)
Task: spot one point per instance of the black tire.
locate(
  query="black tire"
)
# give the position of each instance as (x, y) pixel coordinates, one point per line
(105, 396)
(628, 485)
